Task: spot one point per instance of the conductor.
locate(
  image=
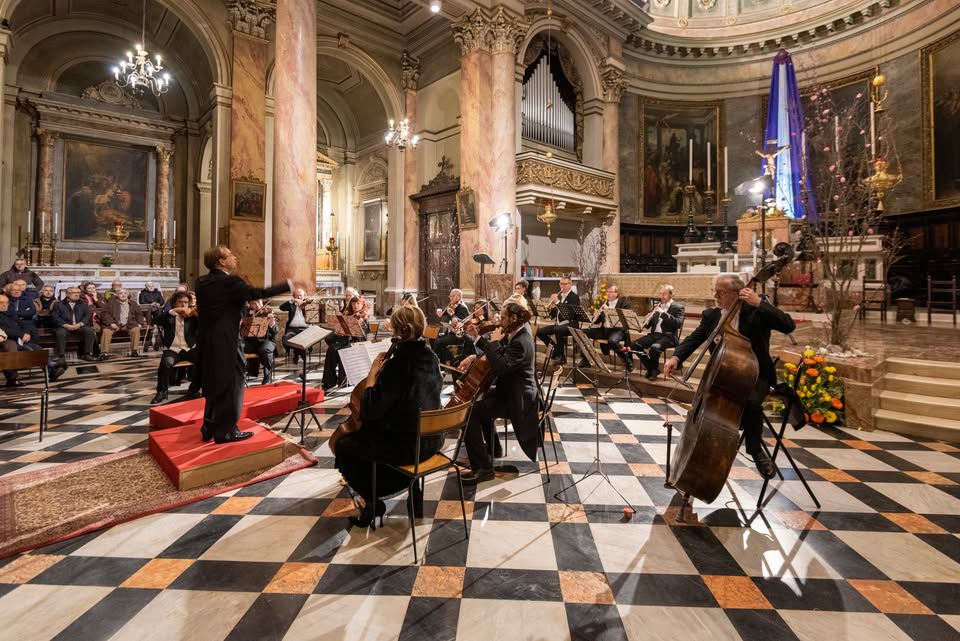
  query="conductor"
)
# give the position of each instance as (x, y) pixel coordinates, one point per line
(220, 299)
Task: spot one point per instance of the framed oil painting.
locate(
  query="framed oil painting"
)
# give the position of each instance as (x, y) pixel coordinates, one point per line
(668, 130)
(102, 185)
(373, 230)
(467, 208)
(940, 75)
(248, 199)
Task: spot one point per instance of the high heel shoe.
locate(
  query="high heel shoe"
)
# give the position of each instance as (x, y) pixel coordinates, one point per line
(368, 515)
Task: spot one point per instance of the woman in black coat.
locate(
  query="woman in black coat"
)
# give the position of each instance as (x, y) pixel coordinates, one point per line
(390, 410)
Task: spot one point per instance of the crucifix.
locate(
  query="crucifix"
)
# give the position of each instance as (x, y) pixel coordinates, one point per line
(770, 169)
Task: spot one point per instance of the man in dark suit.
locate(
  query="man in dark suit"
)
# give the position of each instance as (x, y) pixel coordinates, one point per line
(664, 324)
(265, 345)
(454, 313)
(557, 333)
(72, 316)
(220, 300)
(514, 395)
(756, 320)
(15, 337)
(606, 326)
(179, 344)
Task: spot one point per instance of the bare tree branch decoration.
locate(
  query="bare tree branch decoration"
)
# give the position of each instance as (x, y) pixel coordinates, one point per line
(591, 257)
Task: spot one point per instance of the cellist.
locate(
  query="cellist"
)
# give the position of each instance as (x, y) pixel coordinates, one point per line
(510, 351)
(756, 320)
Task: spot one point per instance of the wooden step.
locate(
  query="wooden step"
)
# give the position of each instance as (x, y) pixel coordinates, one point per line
(942, 429)
(914, 367)
(924, 385)
(920, 404)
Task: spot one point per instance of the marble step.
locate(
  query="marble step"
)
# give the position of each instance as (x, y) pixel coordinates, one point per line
(914, 367)
(920, 405)
(924, 385)
(942, 429)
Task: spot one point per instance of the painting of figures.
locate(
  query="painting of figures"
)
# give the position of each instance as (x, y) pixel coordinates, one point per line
(940, 69)
(103, 185)
(669, 130)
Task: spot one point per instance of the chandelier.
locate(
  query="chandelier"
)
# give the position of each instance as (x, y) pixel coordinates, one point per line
(548, 216)
(138, 72)
(399, 134)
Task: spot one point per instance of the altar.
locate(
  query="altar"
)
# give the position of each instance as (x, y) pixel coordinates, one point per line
(133, 277)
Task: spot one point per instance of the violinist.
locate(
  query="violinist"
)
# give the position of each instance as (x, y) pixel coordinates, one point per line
(479, 316)
(333, 372)
(179, 343)
(451, 317)
(510, 351)
(263, 343)
(756, 320)
(296, 320)
(390, 409)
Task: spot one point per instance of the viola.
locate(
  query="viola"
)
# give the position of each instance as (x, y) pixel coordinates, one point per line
(353, 422)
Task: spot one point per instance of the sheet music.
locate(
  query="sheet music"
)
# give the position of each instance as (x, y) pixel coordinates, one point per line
(358, 359)
(308, 337)
(630, 320)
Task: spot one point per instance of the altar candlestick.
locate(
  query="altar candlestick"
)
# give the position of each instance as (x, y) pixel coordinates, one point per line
(708, 165)
(803, 154)
(726, 173)
(836, 137)
(690, 164)
(29, 222)
(873, 130)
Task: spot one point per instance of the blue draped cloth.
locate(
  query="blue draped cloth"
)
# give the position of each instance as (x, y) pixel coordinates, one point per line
(785, 125)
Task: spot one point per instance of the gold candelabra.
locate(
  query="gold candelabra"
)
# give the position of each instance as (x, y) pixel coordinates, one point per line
(118, 234)
(881, 181)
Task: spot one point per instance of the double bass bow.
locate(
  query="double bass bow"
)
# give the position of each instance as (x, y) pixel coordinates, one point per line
(711, 433)
(353, 422)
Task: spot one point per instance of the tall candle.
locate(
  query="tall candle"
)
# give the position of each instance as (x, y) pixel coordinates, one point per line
(174, 229)
(708, 165)
(690, 165)
(873, 131)
(29, 222)
(803, 154)
(726, 174)
(836, 137)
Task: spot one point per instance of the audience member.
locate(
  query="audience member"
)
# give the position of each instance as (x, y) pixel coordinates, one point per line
(73, 317)
(20, 270)
(44, 304)
(120, 315)
(14, 337)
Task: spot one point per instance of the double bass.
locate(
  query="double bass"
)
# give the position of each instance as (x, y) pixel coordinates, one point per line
(353, 422)
(711, 433)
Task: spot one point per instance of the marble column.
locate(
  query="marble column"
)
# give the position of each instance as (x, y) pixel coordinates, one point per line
(614, 85)
(161, 236)
(7, 224)
(43, 222)
(410, 261)
(295, 135)
(488, 43)
(248, 117)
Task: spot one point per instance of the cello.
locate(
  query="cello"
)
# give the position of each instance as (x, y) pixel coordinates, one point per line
(711, 433)
(353, 422)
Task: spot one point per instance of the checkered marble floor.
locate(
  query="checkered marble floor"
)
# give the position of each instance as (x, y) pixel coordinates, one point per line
(277, 560)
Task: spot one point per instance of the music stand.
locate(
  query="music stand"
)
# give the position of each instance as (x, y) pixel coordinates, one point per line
(570, 312)
(304, 341)
(622, 322)
(484, 260)
(580, 339)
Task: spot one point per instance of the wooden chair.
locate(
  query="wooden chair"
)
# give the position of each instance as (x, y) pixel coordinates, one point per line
(28, 360)
(434, 423)
(942, 298)
(874, 298)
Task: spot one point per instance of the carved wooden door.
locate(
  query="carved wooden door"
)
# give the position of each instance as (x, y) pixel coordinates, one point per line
(439, 257)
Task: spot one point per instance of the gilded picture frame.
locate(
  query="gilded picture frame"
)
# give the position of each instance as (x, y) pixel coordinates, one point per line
(940, 79)
(249, 199)
(467, 208)
(665, 128)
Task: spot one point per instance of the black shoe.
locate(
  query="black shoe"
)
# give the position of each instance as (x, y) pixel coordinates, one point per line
(103, 356)
(159, 398)
(628, 365)
(206, 433)
(583, 363)
(190, 395)
(15, 382)
(653, 374)
(764, 465)
(57, 372)
(368, 515)
(478, 475)
(135, 354)
(231, 437)
(266, 380)
(644, 360)
(88, 357)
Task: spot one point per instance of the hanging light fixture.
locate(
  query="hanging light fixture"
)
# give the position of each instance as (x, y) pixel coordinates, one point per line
(435, 6)
(398, 135)
(139, 72)
(548, 216)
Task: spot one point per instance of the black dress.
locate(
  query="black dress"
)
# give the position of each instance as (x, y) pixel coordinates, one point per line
(409, 382)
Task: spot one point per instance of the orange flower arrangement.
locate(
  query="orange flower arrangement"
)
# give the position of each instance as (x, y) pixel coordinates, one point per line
(819, 387)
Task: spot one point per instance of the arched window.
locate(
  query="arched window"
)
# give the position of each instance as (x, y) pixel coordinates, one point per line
(552, 105)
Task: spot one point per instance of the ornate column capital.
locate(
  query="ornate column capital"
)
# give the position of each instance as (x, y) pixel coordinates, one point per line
(164, 154)
(409, 72)
(500, 32)
(252, 17)
(614, 83)
(46, 136)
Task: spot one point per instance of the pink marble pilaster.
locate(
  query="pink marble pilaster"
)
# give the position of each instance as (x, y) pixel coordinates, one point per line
(501, 164)
(295, 142)
(44, 214)
(614, 86)
(411, 222)
(473, 154)
(162, 212)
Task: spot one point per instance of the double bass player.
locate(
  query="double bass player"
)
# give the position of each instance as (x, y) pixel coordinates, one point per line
(757, 318)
